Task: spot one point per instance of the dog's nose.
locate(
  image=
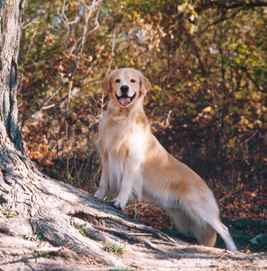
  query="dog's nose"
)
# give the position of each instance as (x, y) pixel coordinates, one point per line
(124, 89)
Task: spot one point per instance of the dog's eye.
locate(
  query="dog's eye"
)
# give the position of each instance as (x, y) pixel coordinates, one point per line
(133, 81)
(118, 80)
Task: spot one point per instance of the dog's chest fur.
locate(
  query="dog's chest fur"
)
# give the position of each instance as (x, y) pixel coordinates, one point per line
(122, 140)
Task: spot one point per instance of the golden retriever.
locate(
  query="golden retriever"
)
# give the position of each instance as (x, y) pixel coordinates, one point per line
(134, 164)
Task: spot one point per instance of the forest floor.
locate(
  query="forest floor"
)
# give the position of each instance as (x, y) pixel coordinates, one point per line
(246, 222)
(179, 253)
(24, 255)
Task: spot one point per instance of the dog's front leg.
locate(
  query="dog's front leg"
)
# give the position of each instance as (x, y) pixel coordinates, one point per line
(130, 176)
(104, 180)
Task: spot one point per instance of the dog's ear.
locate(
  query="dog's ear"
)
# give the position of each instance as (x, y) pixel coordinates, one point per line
(106, 85)
(145, 85)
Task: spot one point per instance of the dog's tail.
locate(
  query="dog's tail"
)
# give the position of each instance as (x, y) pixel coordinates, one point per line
(204, 233)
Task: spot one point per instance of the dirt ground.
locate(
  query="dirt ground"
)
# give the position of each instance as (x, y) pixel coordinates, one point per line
(23, 255)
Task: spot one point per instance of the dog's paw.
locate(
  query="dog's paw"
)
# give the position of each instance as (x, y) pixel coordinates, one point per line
(118, 204)
(99, 194)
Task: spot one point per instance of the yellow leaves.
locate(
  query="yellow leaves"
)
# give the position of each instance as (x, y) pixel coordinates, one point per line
(208, 109)
(250, 125)
(245, 54)
(246, 123)
(258, 123)
(238, 95)
(136, 14)
(82, 143)
(73, 4)
(186, 7)
(231, 143)
(157, 88)
(234, 45)
(206, 114)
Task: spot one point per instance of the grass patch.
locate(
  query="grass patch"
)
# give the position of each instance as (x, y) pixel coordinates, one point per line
(80, 228)
(8, 213)
(115, 248)
(34, 237)
(39, 253)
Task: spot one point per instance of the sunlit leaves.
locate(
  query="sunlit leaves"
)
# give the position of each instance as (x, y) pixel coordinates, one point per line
(205, 66)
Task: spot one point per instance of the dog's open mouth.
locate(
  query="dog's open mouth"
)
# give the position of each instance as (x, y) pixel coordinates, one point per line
(125, 100)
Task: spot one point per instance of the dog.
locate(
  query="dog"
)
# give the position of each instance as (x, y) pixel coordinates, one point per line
(135, 165)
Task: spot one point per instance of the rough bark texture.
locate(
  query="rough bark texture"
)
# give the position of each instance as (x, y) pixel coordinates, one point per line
(48, 225)
(11, 20)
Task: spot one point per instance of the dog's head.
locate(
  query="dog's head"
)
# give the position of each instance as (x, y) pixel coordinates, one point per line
(126, 85)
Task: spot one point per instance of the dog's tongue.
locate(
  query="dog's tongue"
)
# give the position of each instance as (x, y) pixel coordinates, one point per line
(125, 101)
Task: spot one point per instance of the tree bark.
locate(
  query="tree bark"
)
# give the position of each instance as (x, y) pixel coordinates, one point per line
(11, 20)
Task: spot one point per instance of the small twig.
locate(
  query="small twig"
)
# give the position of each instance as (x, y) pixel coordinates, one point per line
(87, 17)
(247, 140)
(29, 23)
(221, 19)
(30, 44)
(48, 106)
(108, 70)
(112, 51)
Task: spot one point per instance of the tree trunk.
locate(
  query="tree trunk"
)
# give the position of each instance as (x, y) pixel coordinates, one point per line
(11, 19)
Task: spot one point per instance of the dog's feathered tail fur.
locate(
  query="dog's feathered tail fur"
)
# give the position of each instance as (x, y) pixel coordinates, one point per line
(204, 233)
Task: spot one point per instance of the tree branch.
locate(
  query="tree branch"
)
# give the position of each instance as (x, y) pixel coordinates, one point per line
(221, 19)
(230, 5)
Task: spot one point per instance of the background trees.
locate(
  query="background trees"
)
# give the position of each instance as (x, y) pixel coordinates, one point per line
(204, 60)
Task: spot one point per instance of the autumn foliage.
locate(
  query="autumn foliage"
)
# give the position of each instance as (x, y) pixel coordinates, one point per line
(204, 60)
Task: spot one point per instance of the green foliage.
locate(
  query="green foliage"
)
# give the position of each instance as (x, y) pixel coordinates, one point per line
(80, 228)
(39, 253)
(115, 248)
(34, 237)
(260, 239)
(8, 213)
(247, 234)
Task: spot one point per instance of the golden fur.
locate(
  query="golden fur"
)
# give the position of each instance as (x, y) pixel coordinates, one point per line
(134, 164)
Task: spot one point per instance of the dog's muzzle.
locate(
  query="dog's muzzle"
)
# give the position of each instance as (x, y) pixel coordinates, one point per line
(125, 100)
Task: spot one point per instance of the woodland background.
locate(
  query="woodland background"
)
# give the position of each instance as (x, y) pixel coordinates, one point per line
(205, 62)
